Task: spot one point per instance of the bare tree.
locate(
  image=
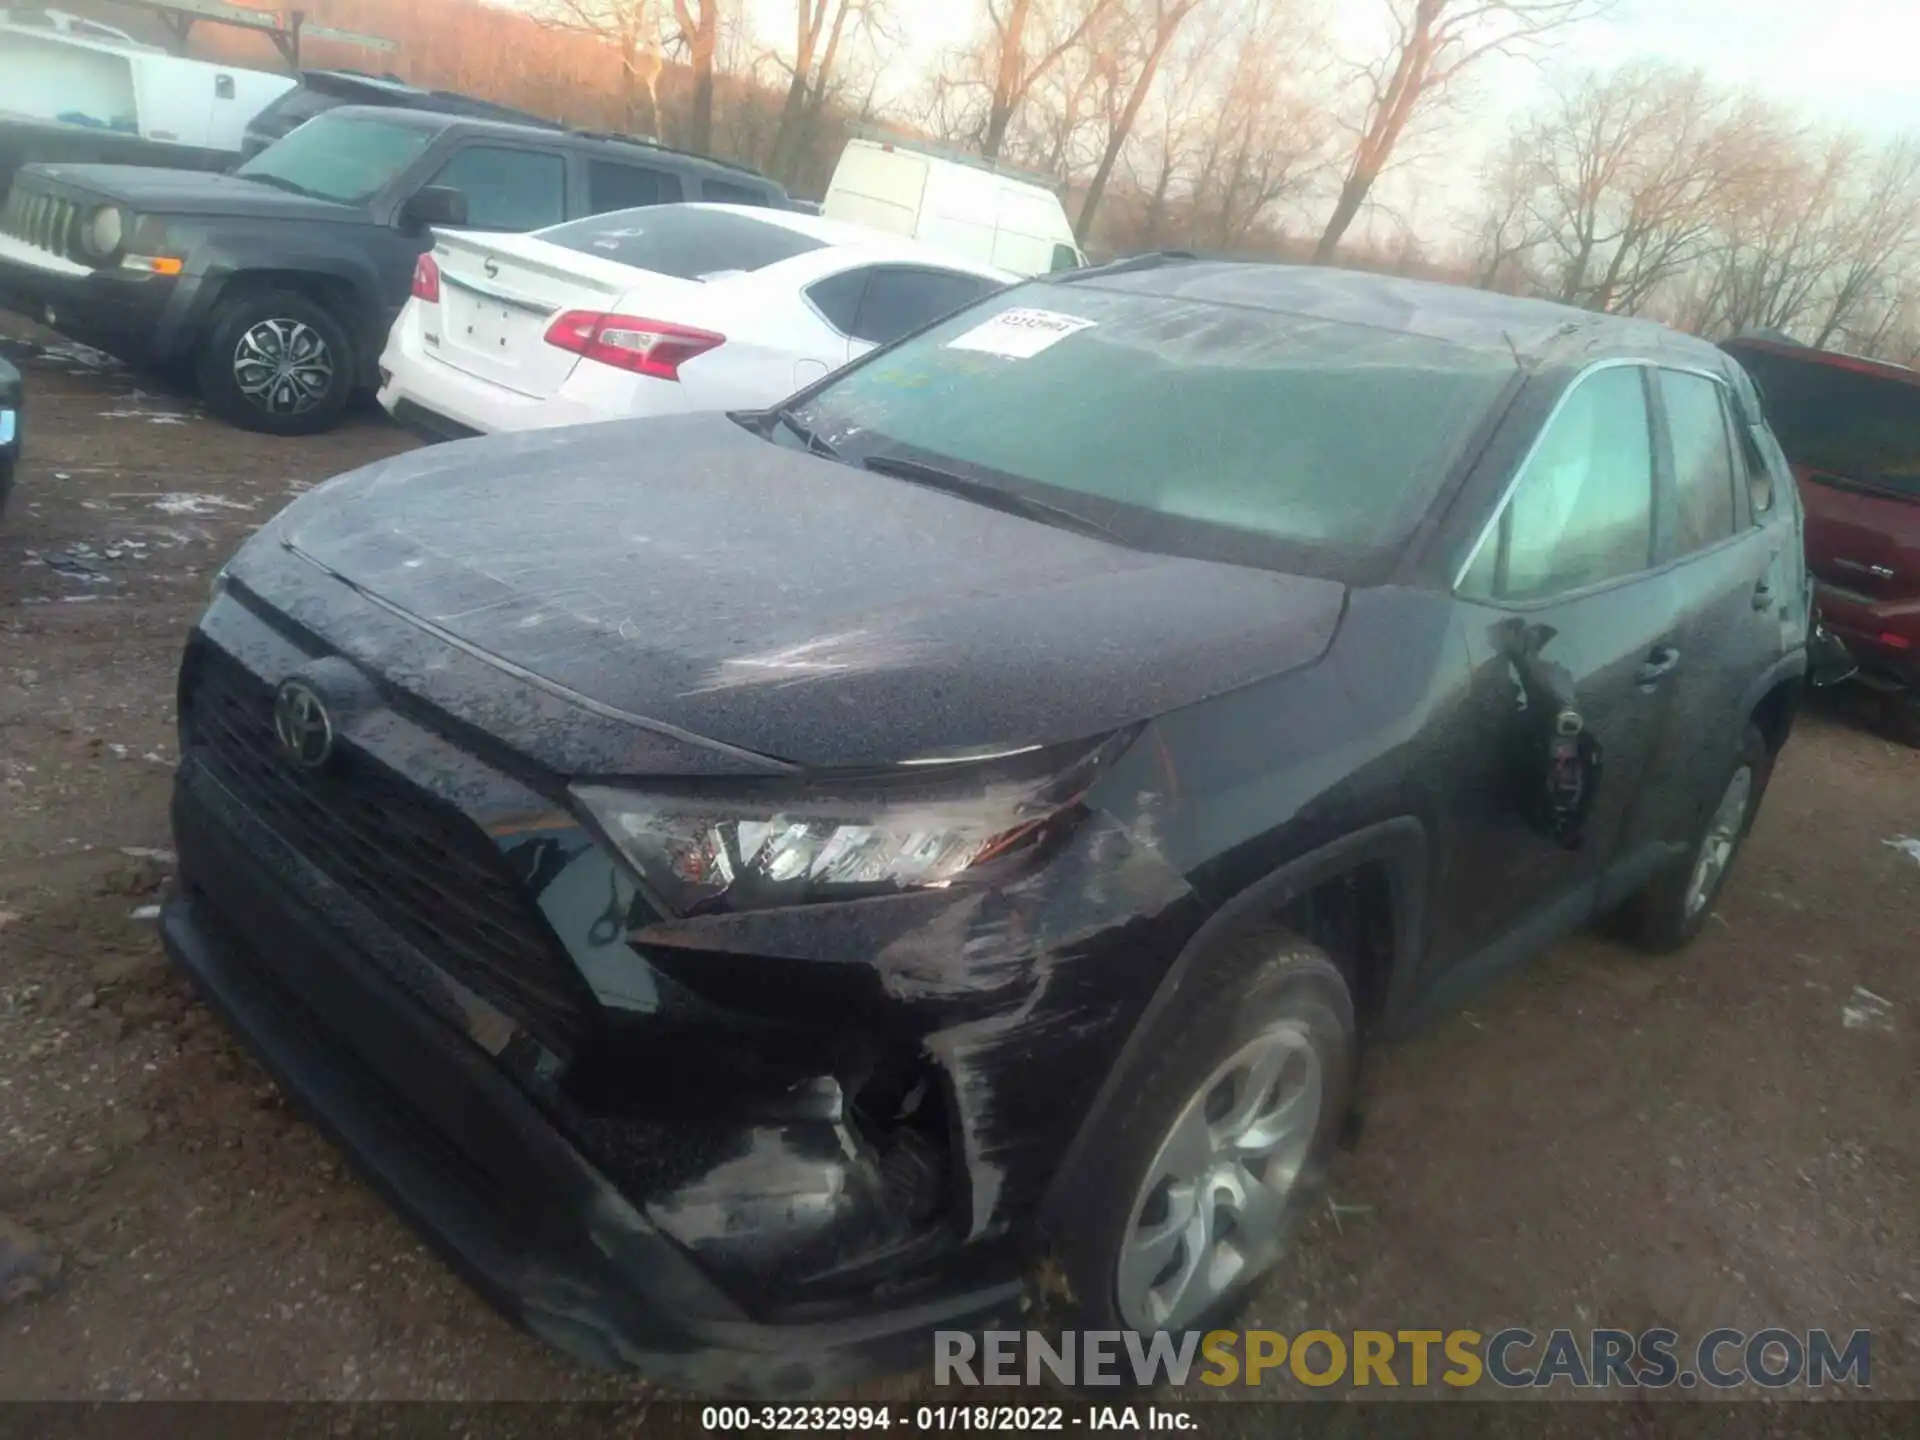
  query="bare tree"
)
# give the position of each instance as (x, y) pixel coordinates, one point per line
(631, 28)
(1269, 132)
(820, 28)
(697, 32)
(1776, 242)
(1881, 232)
(1433, 42)
(1638, 171)
(1508, 230)
(1015, 70)
(1157, 22)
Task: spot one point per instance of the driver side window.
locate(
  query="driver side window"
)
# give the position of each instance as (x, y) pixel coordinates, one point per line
(1582, 512)
(507, 189)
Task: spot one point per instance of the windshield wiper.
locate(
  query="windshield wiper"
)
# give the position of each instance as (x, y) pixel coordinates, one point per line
(936, 477)
(810, 438)
(279, 183)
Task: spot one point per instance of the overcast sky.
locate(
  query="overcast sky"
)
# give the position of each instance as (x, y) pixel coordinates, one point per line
(1842, 62)
(1849, 61)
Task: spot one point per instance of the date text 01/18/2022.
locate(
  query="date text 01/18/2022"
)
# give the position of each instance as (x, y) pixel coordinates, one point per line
(778, 1419)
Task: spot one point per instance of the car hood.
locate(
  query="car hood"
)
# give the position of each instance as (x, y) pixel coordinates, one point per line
(150, 191)
(687, 572)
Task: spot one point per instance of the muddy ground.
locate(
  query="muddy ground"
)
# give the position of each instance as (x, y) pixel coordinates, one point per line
(1731, 1137)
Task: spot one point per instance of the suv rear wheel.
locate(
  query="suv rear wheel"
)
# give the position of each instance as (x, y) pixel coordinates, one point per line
(1197, 1182)
(278, 363)
(1671, 910)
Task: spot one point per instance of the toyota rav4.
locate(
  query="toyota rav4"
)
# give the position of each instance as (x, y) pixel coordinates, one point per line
(757, 887)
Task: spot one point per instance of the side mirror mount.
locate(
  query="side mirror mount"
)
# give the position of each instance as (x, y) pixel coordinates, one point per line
(434, 205)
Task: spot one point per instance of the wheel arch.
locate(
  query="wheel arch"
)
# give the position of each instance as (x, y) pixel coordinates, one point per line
(342, 293)
(1391, 853)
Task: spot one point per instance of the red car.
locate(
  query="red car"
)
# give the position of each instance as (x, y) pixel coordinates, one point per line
(1851, 431)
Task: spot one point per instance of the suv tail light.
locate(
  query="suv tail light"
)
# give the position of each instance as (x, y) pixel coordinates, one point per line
(426, 279)
(646, 347)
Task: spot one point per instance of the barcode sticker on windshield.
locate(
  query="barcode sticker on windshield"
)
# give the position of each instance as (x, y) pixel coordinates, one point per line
(1020, 334)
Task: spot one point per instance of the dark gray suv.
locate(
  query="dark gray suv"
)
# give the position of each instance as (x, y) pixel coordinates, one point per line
(758, 887)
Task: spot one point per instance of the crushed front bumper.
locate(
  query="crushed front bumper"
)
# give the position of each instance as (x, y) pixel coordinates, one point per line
(468, 1157)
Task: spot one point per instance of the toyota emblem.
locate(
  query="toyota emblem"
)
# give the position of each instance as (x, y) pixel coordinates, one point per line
(301, 722)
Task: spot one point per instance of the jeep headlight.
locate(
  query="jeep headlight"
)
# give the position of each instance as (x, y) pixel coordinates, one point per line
(103, 232)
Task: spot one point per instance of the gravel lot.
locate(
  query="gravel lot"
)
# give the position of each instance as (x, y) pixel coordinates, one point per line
(1730, 1138)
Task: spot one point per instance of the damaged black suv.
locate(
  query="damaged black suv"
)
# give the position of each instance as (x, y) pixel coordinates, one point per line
(755, 888)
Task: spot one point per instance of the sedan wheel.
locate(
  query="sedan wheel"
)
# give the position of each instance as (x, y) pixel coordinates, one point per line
(1210, 1212)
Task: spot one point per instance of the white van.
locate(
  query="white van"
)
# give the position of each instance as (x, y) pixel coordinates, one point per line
(965, 206)
(120, 94)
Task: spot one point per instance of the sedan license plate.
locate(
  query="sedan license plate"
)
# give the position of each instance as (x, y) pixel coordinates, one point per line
(488, 326)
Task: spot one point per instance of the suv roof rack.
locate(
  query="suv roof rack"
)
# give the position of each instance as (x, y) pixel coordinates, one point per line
(648, 142)
(880, 135)
(1125, 265)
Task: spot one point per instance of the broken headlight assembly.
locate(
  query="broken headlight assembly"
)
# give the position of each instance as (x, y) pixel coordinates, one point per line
(701, 852)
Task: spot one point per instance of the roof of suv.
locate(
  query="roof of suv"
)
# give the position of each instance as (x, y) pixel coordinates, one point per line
(346, 84)
(684, 160)
(1534, 330)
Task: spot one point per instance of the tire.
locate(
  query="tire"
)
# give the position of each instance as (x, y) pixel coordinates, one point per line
(242, 380)
(1668, 914)
(1271, 996)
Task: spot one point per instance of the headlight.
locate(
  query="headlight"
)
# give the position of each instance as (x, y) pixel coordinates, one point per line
(700, 854)
(104, 231)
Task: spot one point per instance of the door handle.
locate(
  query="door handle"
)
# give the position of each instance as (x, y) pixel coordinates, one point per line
(1763, 594)
(1663, 660)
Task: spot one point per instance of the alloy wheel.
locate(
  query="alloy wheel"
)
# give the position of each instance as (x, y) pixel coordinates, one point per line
(1717, 846)
(1211, 1212)
(283, 366)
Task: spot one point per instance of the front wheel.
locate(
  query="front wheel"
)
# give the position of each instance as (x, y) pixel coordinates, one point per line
(1207, 1161)
(277, 363)
(1671, 910)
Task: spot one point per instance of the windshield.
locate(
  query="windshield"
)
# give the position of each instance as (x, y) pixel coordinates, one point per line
(1846, 423)
(1210, 429)
(348, 158)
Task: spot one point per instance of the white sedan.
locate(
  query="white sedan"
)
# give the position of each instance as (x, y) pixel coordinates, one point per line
(653, 311)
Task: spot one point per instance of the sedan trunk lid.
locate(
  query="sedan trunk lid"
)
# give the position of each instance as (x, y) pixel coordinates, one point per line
(499, 294)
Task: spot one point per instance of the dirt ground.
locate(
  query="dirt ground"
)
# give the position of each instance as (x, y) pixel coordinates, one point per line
(1728, 1138)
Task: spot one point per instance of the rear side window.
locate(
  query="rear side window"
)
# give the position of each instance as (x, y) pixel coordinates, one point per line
(627, 187)
(720, 192)
(900, 301)
(1582, 512)
(508, 189)
(1702, 462)
(838, 298)
(687, 243)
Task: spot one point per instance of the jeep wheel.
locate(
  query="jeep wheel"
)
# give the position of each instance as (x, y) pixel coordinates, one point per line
(1208, 1159)
(277, 363)
(1671, 910)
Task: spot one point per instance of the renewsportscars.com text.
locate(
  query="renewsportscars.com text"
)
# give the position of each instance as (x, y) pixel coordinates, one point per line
(1512, 1359)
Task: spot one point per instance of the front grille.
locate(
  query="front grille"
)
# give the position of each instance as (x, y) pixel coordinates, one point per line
(43, 220)
(424, 869)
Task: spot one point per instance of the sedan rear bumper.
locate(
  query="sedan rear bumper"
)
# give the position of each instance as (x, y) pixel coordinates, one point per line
(478, 1168)
(445, 401)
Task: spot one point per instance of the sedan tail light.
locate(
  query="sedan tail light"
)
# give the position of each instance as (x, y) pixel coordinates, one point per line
(426, 279)
(646, 347)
